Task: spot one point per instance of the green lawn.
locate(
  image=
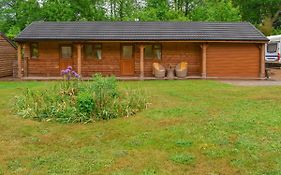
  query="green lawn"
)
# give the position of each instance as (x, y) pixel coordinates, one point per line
(191, 127)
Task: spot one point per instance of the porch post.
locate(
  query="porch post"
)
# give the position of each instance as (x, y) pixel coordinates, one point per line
(141, 62)
(19, 60)
(262, 61)
(204, 61)
(79, 46)
(24, 47)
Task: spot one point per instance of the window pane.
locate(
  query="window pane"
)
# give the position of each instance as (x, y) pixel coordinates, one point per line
(66, 52)
(34, 50)
(148, 52)
(89, 51)
(127, 52)
(272, 47)
(98, 54)
(158, 54)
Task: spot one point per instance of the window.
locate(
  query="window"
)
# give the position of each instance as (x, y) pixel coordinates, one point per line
(157, 51)
(152, 52)
(127, 52)
(34, 51)
(272, 47)
(92, 51)
(148, 52)
(66, 52)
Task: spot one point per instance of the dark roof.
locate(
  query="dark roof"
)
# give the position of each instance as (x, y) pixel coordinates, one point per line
(8, 40)
(141, 31)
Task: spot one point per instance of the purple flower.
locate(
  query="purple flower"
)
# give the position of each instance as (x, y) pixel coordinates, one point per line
(67, 71)
(69, 67)
(62, 72)
(75, 74)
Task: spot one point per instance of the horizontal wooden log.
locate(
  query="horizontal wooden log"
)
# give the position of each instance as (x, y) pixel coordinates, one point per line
(8, 55)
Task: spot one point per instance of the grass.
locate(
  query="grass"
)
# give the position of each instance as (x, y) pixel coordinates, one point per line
(191, 127)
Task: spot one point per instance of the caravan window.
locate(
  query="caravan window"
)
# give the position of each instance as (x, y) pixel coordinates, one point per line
(272, 47)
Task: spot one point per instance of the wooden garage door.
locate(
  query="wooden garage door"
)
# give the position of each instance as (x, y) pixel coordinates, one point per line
(232, 60)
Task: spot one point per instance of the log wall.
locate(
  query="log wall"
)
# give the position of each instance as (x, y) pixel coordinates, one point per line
(8, 55)
(223, 59)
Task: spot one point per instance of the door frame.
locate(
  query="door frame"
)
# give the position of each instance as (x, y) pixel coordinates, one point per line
(68, 59)
(132, 59)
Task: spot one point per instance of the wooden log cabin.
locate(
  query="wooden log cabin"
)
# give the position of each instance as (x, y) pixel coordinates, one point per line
(8, 55)
(128, 49)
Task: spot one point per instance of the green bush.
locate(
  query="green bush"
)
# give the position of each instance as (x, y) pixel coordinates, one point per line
(79, 101)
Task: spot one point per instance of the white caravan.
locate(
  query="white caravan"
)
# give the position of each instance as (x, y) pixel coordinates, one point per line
(272, 49)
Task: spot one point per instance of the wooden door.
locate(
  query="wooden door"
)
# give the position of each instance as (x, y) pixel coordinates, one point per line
(127, 60)
(66, 56)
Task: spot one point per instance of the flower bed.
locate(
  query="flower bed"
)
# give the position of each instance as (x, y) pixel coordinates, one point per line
(80, 101)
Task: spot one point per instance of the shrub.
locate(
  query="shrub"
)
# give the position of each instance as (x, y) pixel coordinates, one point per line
(81, 101)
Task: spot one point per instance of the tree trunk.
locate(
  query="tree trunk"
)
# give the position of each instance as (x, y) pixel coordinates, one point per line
(267, 24)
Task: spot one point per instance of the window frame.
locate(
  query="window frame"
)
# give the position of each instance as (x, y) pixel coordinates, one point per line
(154, 49)
(31, 50)
(122, 52)
(66, 45)
(270, 45)
(152, 52)
(94, 58)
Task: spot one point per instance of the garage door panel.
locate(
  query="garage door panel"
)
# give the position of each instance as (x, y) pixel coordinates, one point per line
(232, 60)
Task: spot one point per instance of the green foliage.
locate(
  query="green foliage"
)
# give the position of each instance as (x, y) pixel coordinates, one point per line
(17, 14)
(14, 165)
(149, 172)
(255, 11)
(266, 13)
(183, 158)
(72, 10)
(183, 143)
(85, 103)
(277, 31)
(13, 31)
(75, 101)
(219, 10)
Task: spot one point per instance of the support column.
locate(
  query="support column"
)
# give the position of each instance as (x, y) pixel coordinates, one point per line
(141, 62)
(262, 61)
(204, 60)
(19, 60)
(24, 66)
(79, 48)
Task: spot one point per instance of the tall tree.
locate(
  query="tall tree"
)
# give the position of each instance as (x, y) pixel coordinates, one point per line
(185, 6)
(162, 10)
(72, 10)
(267, 13)
(17, 14)
(216, 10)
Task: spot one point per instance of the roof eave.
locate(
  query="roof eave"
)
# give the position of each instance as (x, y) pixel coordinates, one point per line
(8, 40)
(140, 40)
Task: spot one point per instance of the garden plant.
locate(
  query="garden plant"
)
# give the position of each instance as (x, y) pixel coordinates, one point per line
(74, 100)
